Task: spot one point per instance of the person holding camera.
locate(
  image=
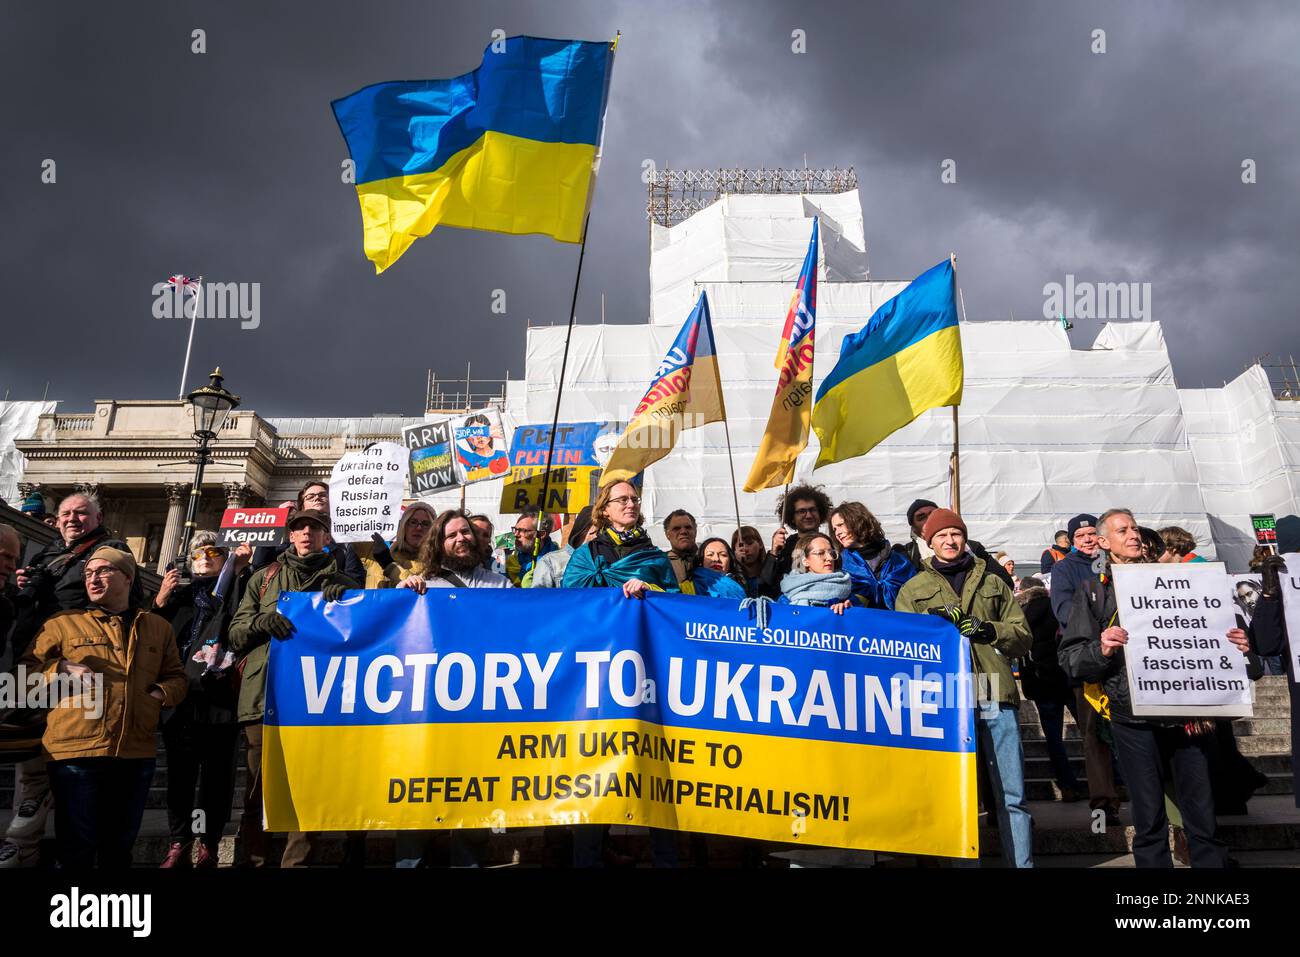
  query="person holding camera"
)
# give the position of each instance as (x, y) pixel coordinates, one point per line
(201, 734)
(100, 742)
(53, 581)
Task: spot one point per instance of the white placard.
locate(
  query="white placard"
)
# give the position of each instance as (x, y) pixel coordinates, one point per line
(1291, 608)
(1179, 660)
(366, 492)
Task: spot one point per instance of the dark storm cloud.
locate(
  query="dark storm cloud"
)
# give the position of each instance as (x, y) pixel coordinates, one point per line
(1118, 166)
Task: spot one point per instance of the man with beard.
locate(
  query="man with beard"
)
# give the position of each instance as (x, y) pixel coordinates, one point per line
(453, 558)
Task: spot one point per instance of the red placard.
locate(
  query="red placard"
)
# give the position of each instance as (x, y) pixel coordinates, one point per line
(257, 526)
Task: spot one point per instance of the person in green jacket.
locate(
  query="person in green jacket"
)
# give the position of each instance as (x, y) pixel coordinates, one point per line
(304, 566)
(956, 585)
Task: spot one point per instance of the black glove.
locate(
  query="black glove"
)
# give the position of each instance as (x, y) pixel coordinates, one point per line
(950, 612)
(274, 624)
(1274, 566)
(382, 556)
(333, 592)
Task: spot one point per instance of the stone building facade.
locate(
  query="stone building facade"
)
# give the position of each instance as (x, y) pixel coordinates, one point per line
(135, 456)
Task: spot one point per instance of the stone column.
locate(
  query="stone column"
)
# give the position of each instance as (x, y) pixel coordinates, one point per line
(177, 496)
(237, 494)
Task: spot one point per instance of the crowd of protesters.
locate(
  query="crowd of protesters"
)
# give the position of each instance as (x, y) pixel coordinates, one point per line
(190, 661)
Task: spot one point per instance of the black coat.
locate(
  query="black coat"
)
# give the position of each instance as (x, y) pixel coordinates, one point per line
(60, 584)
(1041, 674)
(208, 701)
(1268, 637)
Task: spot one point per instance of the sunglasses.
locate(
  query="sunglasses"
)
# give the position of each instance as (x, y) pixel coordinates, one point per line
(206, 552)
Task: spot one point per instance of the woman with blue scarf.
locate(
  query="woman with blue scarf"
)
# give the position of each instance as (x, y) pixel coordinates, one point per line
(875, 568)
(716, 576)
(815, 577)
(621, 555)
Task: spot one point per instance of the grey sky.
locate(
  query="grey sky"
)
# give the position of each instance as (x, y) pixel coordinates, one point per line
(1114, 167)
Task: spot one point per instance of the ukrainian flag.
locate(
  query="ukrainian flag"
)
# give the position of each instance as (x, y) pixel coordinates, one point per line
(905, 360)
(511, 147)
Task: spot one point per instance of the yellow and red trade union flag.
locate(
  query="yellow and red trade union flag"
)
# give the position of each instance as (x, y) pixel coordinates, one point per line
(686, 392)
(787, 423)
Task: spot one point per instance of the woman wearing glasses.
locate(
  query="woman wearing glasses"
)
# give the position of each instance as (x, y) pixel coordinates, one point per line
(815, 577)
(621, 555)
(386, 565)
(200, 735)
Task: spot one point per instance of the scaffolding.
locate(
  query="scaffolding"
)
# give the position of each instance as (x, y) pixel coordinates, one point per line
(676, 194)
(443, 396)
(1283, 376)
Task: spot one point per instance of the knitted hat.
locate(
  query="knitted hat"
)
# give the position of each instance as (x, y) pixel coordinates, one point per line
(940, 519)
(1080, 521)
(122, 561)
(919, 504)
(581, 522)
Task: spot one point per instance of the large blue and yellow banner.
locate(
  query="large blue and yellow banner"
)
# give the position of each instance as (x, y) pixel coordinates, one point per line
(489, 708)
(511, 146)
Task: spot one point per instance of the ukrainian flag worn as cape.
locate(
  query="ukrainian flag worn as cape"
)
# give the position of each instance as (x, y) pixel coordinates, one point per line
(586, 569)
(905, 360)
(510, 147)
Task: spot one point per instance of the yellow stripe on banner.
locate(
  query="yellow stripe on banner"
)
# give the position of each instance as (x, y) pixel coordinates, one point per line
(863, 410)
(502, 183)
(522, 775)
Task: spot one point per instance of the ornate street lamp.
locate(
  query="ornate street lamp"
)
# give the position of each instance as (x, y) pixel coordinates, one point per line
(212, 406)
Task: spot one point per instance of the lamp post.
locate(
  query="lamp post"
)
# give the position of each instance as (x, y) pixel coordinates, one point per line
(212, 406)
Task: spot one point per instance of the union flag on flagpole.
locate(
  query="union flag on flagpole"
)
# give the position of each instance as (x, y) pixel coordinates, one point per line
(787, 423)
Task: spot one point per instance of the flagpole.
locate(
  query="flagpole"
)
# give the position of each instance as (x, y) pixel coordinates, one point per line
(564, 364)
(193, 320)
(954, 460)
(573, 303)
(726, 428)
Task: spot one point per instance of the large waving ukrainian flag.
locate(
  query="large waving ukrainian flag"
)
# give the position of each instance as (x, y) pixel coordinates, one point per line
(906, 359)
(510, 147)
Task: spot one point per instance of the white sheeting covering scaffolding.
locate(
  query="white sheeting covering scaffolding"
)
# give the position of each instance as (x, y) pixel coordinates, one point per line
(1046, 431)
(17, 421)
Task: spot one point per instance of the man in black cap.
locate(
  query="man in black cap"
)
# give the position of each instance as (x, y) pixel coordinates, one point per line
(304, 566)
(549, 572)
(1076, 567)
(1081, 565)
(916, 550)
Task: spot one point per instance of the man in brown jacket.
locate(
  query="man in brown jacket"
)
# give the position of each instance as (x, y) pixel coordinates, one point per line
(101, 743)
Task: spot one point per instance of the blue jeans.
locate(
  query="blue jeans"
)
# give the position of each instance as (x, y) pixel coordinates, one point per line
(98, 805)
(1052, 716)
(997, 735)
